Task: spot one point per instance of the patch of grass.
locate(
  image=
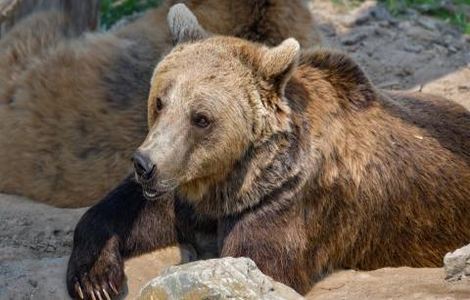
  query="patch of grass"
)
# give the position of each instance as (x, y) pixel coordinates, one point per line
(456, 12)
(112, 11)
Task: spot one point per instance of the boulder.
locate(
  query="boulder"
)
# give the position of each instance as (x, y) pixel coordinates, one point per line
(224, 278)
(457, 264)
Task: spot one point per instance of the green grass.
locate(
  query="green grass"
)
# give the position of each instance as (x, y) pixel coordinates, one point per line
(436, 8)
(113, 10)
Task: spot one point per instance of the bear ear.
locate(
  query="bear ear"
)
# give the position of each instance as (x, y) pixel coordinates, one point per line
(184, 26)
(345, 76)
(278, 63)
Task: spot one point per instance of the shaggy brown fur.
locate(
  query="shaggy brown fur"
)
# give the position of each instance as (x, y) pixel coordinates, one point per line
(72, 112)
(292, 159)
(23, 45)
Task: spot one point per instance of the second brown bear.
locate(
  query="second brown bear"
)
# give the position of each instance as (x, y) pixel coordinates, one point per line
(72, 111)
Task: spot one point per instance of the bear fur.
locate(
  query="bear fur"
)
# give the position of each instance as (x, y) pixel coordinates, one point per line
(72, 111)
(23, 45)
(292, 158)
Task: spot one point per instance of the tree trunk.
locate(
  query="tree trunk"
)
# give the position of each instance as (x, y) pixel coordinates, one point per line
(84, 14)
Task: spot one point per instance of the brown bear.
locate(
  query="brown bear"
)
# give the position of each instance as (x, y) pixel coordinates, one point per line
(291, 158)
(72, 115)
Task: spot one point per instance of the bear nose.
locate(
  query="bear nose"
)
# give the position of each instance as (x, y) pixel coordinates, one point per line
(143, 166)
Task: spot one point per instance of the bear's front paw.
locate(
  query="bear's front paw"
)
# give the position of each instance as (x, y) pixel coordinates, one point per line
(97, 280)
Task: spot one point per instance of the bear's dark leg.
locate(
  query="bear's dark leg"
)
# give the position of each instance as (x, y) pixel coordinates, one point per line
(275, 241)
(122, 225)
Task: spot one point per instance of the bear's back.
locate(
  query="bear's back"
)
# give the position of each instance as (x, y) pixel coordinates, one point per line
(444, 120)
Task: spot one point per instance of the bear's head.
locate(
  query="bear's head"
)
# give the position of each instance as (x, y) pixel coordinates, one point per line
(211, 98)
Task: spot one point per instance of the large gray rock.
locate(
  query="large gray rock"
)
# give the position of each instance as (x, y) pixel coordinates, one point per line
(457, 264)
(225, 278)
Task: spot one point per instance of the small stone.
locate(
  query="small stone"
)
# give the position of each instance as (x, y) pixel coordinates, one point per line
(413, 48)
(353, 39)
(427, 23)
(33, 283)
(405, 71)
(352, 21)
(362, 19)
(452, 49)
(440, 49)
(381, 13)
(348, 21)
(421, 34)
(405, 25)
(381, 32)
(457, 264)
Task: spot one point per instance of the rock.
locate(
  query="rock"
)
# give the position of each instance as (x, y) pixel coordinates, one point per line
(224, 278)
(405, 71)
(427, 23)
(413, 48)
(457, 264)
(381, 13)
(358, 16)
(421, 35)
(351, 21)
(353, 38)
(381, 32)
(452, 49)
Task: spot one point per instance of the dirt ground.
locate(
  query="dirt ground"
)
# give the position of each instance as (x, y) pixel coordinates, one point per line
(411, 52)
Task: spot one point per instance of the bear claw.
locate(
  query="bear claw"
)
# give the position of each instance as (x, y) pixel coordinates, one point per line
(106, 294)
(79, 291)
(113, 287)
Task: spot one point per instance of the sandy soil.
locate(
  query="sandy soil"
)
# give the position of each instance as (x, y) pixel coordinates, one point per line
(390, 283)
(416, 53)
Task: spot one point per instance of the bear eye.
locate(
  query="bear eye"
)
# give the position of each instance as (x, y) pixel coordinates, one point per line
(200, 121)
(158, 105)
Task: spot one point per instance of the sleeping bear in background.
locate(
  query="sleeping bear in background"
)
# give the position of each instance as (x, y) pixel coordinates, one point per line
(291, 158)
(72, 109)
